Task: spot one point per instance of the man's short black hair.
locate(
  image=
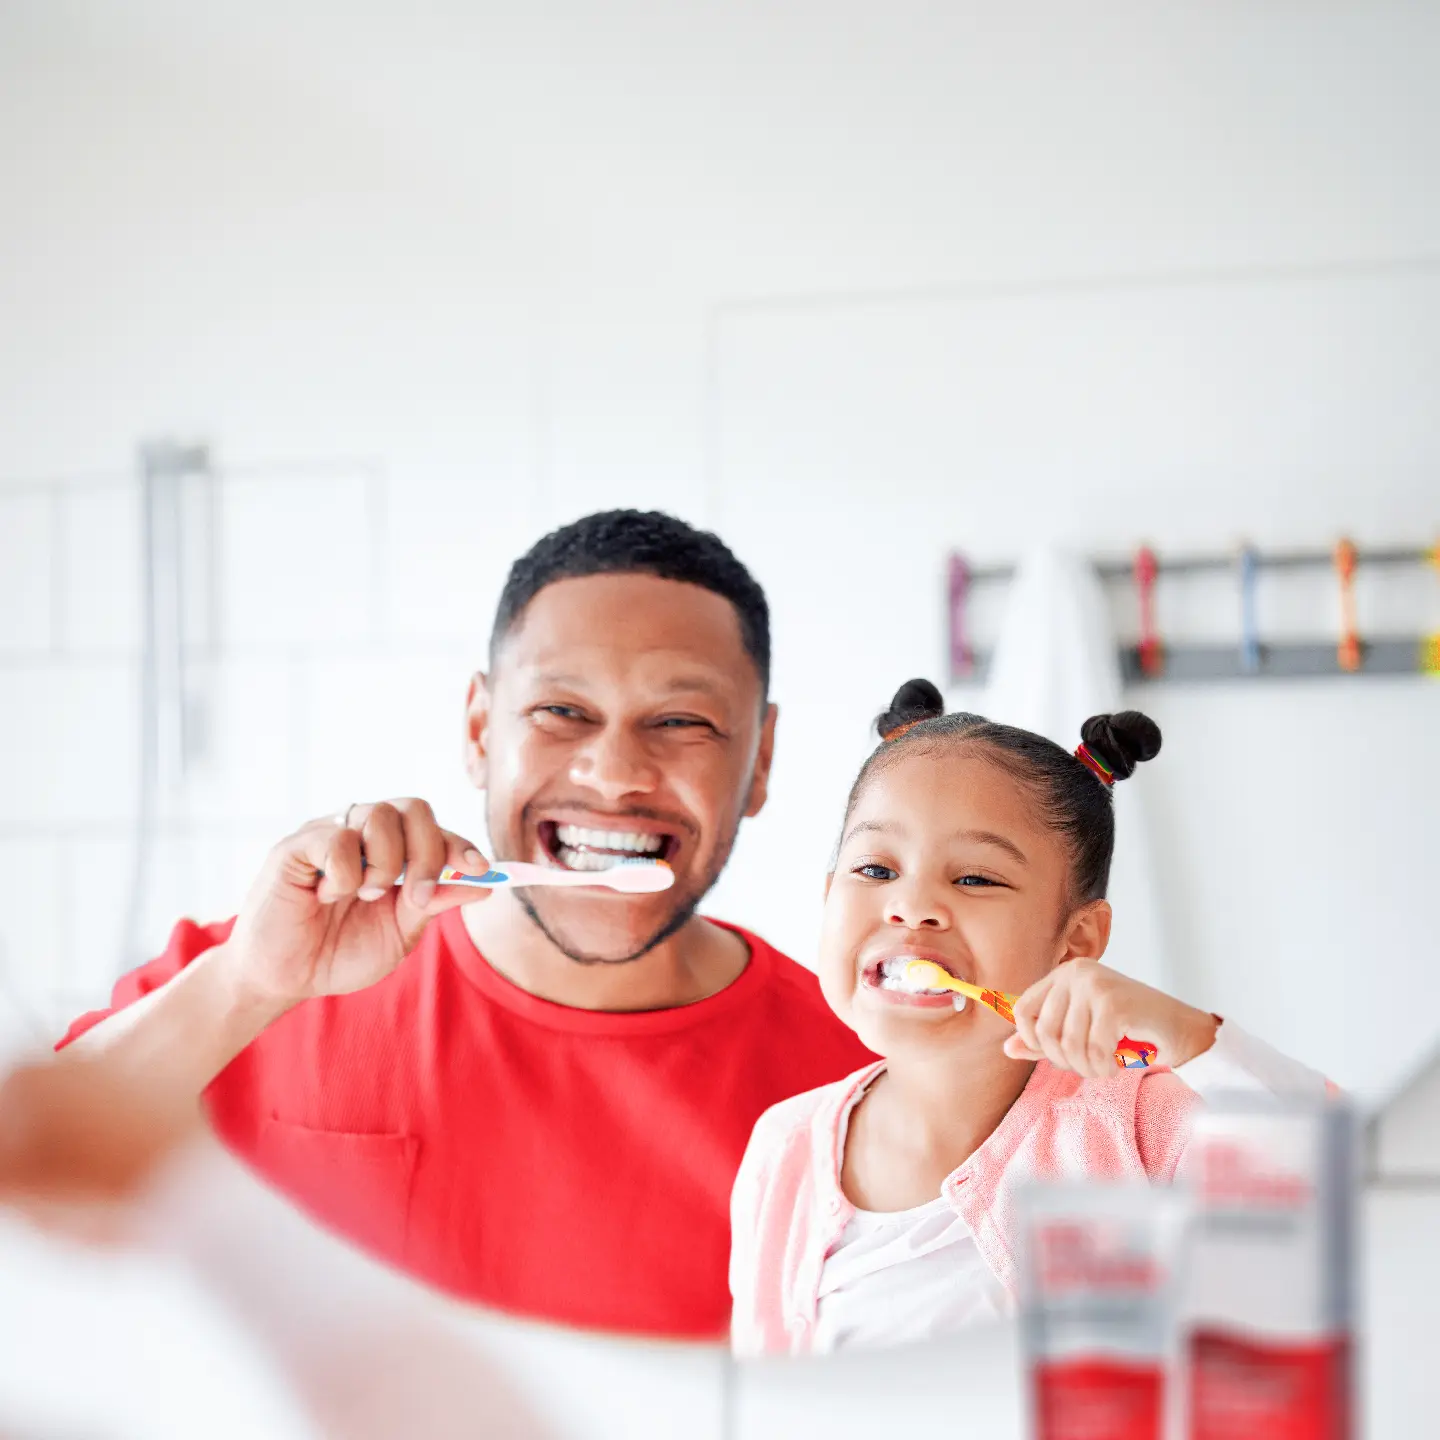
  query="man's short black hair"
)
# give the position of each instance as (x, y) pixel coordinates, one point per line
(638, 542)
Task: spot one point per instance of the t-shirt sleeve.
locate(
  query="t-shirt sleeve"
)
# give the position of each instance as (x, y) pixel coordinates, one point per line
(1241, 1061)
(187, 940)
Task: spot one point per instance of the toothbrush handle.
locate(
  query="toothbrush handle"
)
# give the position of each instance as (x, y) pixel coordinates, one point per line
(491, 879)
(517, 872)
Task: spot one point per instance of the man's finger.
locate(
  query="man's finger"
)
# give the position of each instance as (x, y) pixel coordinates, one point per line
(343, 865)
(383, 839)
(425, 850)
(460, 854)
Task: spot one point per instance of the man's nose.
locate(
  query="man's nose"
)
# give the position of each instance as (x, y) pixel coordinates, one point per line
(615, 763)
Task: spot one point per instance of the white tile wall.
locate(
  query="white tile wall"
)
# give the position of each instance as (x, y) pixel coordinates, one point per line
(26, 525)
(385, 726)
(69, 742)
(319, 690)
(98, 870)
(244, 768)
(99, 543)
(30, 927)
(296, 562)
(447, 541)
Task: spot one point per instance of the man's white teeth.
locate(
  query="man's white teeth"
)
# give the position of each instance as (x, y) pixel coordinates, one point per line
(583, 859)
(572, 837)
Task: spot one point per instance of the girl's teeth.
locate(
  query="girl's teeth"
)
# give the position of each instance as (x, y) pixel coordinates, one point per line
(958, 1001)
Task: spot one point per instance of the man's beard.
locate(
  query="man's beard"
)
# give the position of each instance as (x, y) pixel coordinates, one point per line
(678, 918)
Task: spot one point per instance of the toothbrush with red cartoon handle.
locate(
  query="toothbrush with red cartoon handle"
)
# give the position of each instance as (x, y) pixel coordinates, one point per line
(925, 974)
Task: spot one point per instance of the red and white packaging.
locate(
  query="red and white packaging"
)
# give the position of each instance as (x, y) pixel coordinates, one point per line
(1098, 1310)
(1269, 1292)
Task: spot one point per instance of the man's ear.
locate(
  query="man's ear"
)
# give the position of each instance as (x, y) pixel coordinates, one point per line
(764, 757)
(477, 722)
(1087, 932)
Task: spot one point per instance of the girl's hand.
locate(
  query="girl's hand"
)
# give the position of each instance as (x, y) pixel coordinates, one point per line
(1077, 1015)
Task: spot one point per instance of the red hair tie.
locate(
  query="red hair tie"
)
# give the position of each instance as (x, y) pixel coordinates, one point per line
(1094, 764)
(899, 730)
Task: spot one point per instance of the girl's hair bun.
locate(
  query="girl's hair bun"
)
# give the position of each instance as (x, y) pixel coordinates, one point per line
(914, 701)
(1122, 741)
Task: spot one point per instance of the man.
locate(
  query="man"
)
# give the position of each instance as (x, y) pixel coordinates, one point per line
(539, 1101)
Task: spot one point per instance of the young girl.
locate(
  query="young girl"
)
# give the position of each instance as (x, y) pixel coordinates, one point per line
(880, 1209)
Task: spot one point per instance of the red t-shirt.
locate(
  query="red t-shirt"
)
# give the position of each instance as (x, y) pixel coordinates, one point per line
(569, 1164)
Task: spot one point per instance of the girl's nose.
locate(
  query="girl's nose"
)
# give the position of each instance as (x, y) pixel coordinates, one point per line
(916, 910)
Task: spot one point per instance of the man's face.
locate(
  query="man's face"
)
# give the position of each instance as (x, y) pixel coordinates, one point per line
(623, 716)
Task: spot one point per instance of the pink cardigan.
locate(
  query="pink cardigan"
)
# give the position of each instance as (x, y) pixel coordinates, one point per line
(788, 1210)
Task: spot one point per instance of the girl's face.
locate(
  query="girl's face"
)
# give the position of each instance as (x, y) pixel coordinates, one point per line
(943, 858)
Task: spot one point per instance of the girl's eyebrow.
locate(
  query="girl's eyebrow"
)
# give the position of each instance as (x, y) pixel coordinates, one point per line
(975, 837)
(989, 837)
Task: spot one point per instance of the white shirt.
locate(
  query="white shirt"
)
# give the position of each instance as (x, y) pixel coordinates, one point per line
(915, 1274)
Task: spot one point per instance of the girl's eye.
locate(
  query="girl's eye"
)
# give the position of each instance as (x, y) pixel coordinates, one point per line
(976, 880)
(875, 871)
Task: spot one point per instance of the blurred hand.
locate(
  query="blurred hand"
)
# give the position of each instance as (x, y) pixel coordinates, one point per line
(325, 916)
(80, 1137)
(1077, 1015)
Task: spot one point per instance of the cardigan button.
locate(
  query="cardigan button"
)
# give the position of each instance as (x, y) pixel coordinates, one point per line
(835, 1205)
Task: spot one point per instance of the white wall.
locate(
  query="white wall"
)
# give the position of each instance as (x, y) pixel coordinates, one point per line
(433, 283)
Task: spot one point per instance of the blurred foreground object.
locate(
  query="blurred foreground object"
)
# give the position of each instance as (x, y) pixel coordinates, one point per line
(211, 1307)
(80, 1137)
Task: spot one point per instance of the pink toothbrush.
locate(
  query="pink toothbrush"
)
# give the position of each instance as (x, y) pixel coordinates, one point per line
(637, 875)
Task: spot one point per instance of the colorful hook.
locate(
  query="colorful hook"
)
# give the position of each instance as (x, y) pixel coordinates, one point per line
(962, 657)
(1430, 645)
(1348, 651)
(1249, 630)
(1152, 653)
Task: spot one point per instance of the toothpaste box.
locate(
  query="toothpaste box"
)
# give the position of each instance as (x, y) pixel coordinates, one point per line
(1098, 1309)
(1269, 1283)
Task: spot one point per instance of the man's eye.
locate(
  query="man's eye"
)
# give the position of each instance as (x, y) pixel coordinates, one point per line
(875, 871)
(564, 712)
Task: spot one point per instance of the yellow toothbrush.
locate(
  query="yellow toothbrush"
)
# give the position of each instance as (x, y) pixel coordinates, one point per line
(930, 976)
(1130, 1055)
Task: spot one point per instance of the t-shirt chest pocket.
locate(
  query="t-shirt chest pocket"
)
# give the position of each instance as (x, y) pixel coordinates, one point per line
(356, 1185)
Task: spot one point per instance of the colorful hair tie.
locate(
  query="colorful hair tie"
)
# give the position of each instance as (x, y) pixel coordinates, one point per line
(1094, 764)
(899, 730)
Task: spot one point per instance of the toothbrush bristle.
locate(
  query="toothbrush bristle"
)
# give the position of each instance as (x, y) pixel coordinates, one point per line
(639, 875)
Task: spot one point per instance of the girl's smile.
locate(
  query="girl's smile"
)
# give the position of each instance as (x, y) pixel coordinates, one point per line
(881, 982)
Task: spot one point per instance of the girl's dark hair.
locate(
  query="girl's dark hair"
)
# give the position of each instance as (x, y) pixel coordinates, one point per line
(1073, 800)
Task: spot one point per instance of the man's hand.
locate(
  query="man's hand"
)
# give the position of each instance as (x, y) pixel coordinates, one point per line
(1077, 1015)
(325, 916)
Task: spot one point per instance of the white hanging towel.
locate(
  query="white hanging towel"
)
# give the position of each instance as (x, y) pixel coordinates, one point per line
(1055, 664)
